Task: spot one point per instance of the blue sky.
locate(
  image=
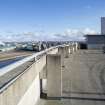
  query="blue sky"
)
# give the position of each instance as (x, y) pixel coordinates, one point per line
(32, 18)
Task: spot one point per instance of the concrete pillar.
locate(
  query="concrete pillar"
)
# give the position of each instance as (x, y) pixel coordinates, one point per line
(61, 51)
(66, 51)
(43, 82)
(43, 73)
(54, 76)
(76, 46)
(71, 49)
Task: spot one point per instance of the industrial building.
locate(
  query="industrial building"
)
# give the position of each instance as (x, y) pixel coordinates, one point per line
(97, 41)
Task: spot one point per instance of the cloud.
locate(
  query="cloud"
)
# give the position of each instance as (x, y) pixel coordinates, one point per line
(68, 34)
(28, 33)
(74, 34)
(89, 31)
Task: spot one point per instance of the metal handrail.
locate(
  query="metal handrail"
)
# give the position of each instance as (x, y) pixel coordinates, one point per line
(25, 60)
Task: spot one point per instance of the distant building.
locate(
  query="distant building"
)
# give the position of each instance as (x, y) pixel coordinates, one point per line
(5, 48)
(95, 41)
(103, 25)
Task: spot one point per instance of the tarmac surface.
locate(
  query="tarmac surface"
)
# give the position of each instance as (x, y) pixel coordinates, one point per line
(83, 79)
(7, 58)
(4, 63)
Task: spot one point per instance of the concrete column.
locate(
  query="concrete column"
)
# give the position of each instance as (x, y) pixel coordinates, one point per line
(71, 49)
(66, 51)
(43, 81)
(61, 51)
(76, 46)
(43, 73)
(54, 76)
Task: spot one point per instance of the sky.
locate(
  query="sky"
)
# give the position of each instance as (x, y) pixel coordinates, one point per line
(29, 20)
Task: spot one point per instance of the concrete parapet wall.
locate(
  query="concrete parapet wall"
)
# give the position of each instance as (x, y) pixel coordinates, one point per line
(15, 93)
(32, 95)
(54, 78)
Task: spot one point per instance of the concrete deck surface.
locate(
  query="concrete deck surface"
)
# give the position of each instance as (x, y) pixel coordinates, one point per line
(83, 79)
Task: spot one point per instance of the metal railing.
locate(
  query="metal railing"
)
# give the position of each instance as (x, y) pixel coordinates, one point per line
(23, 61)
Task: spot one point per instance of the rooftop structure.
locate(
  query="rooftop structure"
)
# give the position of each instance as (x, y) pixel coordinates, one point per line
(95, 41)
(103, 25)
